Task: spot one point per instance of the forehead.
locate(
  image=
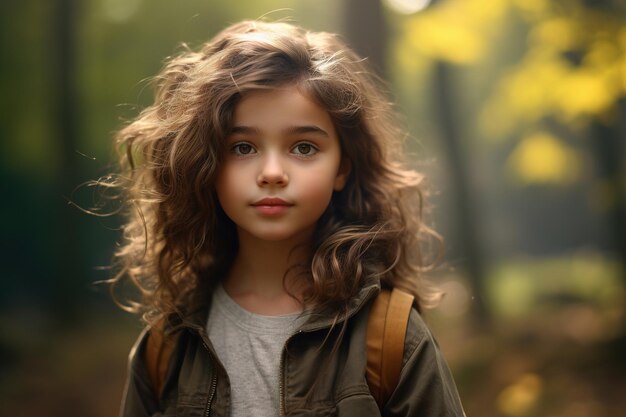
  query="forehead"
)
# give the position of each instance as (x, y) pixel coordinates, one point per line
(279, 107)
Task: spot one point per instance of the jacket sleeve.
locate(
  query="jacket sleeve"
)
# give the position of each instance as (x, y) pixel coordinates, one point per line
(138, 399)
(426, 387)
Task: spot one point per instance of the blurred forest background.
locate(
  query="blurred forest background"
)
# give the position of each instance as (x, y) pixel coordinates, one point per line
(517, 110)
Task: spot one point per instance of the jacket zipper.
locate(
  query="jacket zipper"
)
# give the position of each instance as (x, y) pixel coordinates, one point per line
(281, 394)
(281, 390)
(281, 381)
(207, 411)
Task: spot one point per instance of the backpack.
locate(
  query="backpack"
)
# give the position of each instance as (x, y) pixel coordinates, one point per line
(386, 330)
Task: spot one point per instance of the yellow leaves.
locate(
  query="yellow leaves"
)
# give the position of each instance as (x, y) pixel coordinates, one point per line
(622, 65)
(532, 6)
(557, 33)
(529, 91)
(544, 84)
(573, 69)
(601, 53)
(483, 11)
(440, 38)
(456, 31)
(582, 92)
(407, 62)
(523, 96)
(520, 398)
(542, 159)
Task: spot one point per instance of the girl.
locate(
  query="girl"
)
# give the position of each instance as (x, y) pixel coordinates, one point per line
(271, 206)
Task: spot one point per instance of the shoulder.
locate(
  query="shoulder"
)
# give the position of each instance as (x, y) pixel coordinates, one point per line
(425, 385)
(426, 382)
(421, 348)
(136, 352)
(153, 342)
(389, 310)
(418, 334)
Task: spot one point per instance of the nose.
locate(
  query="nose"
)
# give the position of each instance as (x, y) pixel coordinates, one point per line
(272, 172)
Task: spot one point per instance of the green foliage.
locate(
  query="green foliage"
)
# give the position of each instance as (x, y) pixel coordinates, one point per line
(519, 286)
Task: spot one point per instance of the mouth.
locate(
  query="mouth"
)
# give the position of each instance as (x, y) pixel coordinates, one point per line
(271, 206)
(271, 202)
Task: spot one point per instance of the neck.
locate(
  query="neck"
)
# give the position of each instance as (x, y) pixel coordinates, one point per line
(262, 274)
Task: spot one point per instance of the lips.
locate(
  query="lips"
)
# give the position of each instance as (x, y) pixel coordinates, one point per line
(269, 202)
(271, 206)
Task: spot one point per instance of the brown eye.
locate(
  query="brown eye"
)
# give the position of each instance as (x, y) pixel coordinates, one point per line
(305, 149)
(243, 149)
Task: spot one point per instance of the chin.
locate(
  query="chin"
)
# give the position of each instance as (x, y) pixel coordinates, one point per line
(275, 237)
(278, 235)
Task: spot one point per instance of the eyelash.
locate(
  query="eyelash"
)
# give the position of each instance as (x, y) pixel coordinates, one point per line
(235, 147)
(237, 151)
(314, 149)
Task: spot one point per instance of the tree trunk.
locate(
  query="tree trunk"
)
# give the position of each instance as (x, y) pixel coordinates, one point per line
(464, 219)
(70, 257)
(366, 31)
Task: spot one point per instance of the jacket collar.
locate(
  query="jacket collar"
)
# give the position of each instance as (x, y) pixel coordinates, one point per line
(328, 318)
(315, 321)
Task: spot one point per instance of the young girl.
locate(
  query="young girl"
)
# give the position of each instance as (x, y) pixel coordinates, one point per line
(271, 204)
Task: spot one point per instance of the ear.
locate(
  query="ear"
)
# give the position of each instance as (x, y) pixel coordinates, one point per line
(342, 174)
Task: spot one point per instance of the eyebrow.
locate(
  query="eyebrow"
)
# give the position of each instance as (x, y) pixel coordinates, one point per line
(307, 129)
(290, 130)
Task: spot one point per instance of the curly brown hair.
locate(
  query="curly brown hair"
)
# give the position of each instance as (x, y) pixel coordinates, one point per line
(178, 242)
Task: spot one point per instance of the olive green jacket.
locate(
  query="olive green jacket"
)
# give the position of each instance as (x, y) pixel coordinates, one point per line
(314, 380)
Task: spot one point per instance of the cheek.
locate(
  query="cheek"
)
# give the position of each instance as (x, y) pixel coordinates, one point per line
(225, 186)
(319, 185)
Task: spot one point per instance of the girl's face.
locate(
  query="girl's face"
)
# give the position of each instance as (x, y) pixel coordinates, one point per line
(283, 164)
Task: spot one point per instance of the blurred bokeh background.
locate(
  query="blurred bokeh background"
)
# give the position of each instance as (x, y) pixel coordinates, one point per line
(517, 111)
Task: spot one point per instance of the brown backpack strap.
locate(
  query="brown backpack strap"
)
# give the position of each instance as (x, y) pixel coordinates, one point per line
(159, 350)
(386, 330)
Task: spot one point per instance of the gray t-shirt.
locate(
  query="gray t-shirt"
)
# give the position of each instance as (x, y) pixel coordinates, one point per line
(250, 346)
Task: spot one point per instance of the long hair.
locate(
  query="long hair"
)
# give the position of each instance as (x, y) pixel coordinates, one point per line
(178, 242)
